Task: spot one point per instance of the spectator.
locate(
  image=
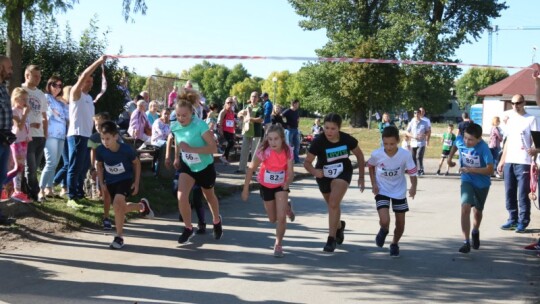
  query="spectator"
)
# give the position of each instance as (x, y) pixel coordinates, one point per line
(385, 122)
(516, 164)
(292, 116)
(160, 131)
(267, 108)
(146, 97)
(37, 120)
(252, 131)
(172, 96)
(6, 123)
(61, 175)
(57, 116)
(81, 112)
(123, 86)
(152, 113)
(495, 139)
(466, 121)
(417, 131)
(428, 121)
(139, 126)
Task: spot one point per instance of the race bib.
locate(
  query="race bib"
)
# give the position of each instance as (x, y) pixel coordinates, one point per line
(115, 169)
(390, 173)
(191, 158)
(414, 143)
(274, 178)
(448, 142)
(333, 171)
(472, 161)
(229, 123)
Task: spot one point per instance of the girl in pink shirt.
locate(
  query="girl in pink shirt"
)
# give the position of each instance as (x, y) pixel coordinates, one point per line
(275, 176)
(19, 100)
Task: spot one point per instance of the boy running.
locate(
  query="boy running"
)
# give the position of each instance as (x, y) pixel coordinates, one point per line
(117, 163)
(476, 169)
(387, 168)
(448, 141)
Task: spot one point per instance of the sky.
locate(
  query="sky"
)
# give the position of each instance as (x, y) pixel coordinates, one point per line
(262, 28)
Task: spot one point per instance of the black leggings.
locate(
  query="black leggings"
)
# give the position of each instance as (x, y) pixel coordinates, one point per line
(418, 157)
(229, 137)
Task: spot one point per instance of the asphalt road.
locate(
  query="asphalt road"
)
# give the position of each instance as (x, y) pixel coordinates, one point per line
(153, 268)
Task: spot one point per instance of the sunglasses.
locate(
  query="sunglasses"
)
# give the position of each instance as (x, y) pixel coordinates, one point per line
(229, 102)
(57, 85)
(517, 103)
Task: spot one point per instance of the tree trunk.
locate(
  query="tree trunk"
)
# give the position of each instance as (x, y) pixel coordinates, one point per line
(14, 44)
(358, 119)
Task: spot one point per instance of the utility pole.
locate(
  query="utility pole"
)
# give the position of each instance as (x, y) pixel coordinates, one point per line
(495, 29)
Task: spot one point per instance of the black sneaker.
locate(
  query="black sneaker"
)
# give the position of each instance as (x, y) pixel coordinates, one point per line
(107, 224)
(218, 229)
(381, 237)
(330, 245)
(340, 234)
(7, 221)
(394, 250)
(201, 228)
(438, 172)
(465, 248)
(147, 212)
(117, 243)
(185, 236)
(475, 240)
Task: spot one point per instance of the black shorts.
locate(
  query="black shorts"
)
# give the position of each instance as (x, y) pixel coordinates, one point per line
(398, 205)
(121, 187)
(205, 178)
(445, 153)
(325, 182)
(269, 194)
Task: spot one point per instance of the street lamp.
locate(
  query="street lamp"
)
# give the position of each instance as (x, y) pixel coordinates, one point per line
(274, 79)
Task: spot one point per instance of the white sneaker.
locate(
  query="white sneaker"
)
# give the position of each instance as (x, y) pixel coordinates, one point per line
(224, 160)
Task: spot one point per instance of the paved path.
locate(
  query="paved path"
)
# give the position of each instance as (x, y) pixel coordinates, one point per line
(240, 268)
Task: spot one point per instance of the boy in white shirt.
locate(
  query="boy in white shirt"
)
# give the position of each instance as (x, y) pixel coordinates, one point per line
(387, 168)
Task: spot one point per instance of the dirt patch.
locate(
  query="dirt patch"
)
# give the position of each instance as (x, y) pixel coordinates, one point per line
(32, 226)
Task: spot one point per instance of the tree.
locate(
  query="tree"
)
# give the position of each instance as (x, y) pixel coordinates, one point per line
(394, 29)
(281, 87)
(244, 88)
(474, 80)
(13, 12)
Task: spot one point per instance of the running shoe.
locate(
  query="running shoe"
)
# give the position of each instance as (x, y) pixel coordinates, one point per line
(340, 234)
(218, 229)
(290, 211)
(4, 197)
(7, 221)
(278, 251)
(147, 212)
(394, 250)
(330, 245)
(201, 228)
(41, 198)
(107, 224)
(438, 172)
(533, 246)
(21, 197)
(475, 237)
(117, 243)
(381, 237)
(465, 248)
(520, 228)
(509, 225)
(185, 236)
(224, 160)
(73, 204)
(446, 174)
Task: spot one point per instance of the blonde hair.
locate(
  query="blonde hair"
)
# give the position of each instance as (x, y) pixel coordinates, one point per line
(275, 111)
(16, 94)
(495, 120)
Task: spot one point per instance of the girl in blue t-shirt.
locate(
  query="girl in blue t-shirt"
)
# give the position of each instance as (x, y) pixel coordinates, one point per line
(194, 148)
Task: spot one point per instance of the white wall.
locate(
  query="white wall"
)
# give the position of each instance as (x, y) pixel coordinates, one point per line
(493, 106)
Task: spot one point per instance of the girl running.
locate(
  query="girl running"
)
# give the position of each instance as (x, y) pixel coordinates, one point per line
(276, 174)
(333, 172)
(19, 102)
(195, 145)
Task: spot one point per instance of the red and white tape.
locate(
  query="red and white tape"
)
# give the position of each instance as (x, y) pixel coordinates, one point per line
(323, 59)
